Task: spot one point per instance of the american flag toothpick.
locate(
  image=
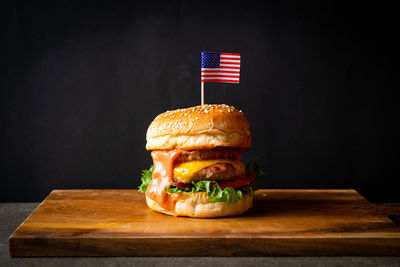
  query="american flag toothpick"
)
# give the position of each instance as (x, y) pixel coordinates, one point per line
(219, 67)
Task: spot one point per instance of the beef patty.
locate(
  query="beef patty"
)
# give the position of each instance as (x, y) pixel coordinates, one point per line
(220, 171)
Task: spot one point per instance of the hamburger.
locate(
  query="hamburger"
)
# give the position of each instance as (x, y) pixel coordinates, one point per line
(197, 163)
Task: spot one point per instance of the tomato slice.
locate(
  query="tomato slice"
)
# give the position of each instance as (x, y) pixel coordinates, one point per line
(250, 178)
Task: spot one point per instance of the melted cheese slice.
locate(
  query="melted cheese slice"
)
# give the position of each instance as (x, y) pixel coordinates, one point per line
(185, 170)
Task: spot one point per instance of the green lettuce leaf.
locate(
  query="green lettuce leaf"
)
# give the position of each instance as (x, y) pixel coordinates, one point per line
(214, 191)
(146, 179)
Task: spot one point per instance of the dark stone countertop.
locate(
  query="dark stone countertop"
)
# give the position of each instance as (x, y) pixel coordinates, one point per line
(13, 214)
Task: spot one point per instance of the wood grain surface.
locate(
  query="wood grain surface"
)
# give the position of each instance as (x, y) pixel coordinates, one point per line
(282, 222)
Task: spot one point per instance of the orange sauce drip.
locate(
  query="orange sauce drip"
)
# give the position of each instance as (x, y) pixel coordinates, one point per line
(163, 177)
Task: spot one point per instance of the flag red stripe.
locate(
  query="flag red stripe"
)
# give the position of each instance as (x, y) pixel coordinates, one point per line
(219, 80)
(226, 71)
(229, 67)
(230, 59)
(219, 76)
(230, 63)
(230, 54)
(222, 69)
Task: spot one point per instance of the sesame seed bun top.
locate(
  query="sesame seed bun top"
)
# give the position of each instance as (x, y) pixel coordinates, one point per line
(199, 127)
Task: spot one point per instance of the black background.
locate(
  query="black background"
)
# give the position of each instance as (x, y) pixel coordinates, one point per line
(81, 81)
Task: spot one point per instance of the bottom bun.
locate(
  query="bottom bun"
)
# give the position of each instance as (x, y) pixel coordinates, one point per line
(198, 205)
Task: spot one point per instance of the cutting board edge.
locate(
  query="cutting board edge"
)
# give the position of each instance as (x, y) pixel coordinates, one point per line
(61, 247)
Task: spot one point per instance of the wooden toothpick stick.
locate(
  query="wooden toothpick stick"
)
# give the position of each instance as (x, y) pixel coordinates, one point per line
(202, 93)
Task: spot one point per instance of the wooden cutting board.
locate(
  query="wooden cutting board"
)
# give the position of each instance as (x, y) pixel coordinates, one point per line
(282, 222)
